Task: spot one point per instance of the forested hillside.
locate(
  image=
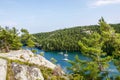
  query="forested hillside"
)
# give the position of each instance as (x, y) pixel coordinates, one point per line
(67, 39)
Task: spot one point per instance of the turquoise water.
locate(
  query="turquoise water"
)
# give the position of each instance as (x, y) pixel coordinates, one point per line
(64, 64)
(60, 57)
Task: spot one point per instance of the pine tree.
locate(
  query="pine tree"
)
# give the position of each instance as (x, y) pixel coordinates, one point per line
(92, 46)
(9, 39)
(15, 39)
(27, 39)
(111, 42)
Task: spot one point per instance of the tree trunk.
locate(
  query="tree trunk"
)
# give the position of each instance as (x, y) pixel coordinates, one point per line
(6, 46)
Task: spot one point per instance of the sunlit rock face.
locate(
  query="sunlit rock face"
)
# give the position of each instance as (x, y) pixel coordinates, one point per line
(28, 56)
(16, 65)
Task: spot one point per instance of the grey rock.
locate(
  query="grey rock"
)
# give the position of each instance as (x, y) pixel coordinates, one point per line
(24, 72)
(3, 69)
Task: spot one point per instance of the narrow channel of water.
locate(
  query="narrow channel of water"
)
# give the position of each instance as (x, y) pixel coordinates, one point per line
(59, 56)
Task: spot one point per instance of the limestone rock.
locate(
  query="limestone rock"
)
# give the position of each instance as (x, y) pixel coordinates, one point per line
(28, 56)
(24, 72)
(3, 69)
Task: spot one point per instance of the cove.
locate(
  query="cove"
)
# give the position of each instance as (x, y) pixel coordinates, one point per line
(64, 64)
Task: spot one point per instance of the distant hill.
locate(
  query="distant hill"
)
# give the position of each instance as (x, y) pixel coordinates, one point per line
(67, 39)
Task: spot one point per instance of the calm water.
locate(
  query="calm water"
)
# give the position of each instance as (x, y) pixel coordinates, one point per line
(60, 59)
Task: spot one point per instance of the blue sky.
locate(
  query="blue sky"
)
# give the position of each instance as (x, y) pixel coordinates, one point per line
(48, 15)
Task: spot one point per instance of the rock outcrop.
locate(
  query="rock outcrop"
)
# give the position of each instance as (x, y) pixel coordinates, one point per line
(28, 56)
(23, 72)
(15, 63)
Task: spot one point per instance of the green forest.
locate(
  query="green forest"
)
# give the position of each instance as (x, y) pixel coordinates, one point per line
(67, 39)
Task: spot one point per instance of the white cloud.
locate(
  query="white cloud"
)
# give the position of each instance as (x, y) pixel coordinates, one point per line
(104, 2)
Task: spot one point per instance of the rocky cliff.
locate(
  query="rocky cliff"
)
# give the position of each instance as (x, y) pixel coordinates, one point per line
(25, 65)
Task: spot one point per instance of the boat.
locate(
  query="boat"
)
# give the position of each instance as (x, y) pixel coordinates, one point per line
(65, 55)
(61, 53)
(65, 59)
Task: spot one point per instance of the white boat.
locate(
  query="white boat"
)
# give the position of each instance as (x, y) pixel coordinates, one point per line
(65, 55)
(65, 59)
(61, 53)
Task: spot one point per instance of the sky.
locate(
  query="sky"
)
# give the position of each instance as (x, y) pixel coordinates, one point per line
(49, 15)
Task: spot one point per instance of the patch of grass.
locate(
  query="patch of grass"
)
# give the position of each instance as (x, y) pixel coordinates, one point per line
(10, 74)
(48, 74)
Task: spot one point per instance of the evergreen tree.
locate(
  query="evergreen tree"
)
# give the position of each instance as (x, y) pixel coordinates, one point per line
(96, 67)
(109, 36)
(15, 43)
(9, 39)
(27, 39)
(111, 42)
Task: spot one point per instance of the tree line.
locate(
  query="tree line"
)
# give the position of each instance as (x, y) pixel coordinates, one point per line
(67, 39)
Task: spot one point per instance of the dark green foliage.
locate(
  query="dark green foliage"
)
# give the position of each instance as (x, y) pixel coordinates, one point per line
(67, 39)
(116, 27)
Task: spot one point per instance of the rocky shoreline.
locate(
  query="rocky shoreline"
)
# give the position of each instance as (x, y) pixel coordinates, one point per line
(23, 65)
